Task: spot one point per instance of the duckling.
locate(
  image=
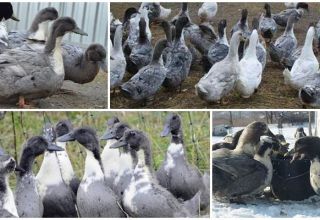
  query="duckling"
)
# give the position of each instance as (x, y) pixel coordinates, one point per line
(308, 148)
(240, 175)
(286, 43)
(282, 17)
(28, 74)
(141, 52)
(175, 173)
(305, 67)
(179, 62)
(208, 11)
(155, 10)
(268, 26)
(38, 31)
(7, 204)
(221, 78)
(144, 197)
(250, 75)
(149, 79)
(299, 133)
(82, 66)
(242, 25)
(219, 50)
(117, 165)
(94, 197)
(309, 95)
(27, 196)
(117, 60)
(56, 180)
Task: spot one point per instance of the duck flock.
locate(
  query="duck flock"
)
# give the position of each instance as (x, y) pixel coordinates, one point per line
(254, 163)
(118, 182)
(235, 66)
(34, 63)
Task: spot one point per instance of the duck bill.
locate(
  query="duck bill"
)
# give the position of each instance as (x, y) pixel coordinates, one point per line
(66, 138)
(103, 66)
(79, 31)
(13, 17)
(107, 136)
(166, 131)
(118, 144)
(19, 169)
(53, 147)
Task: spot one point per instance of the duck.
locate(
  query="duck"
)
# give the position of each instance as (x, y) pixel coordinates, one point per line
(268, 25)
(6, 12)
(221, 78)
(179, 62)
(144, 197)
(8, 207)
(149, 79)
(117, 60)
(307, 148)
(240, 175)
(155, 10)
(309, 95)
(208, 11)
(141, 52)
(29, 74)
(27, 197)
(305, 67)
(282, 17)
(94, 197)
(56, 180)
(117, 165)
(242, 25)
(286, 43)
(83, 66)
(175, 173)
(37, 32)
(219, 50)
(299, 133)
(250, 75)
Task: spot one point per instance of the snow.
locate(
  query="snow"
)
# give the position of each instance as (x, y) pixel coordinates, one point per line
(267, 207)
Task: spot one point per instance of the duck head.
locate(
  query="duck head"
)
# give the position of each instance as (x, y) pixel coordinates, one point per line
(37, 145)
(63, 127)
(45, 15)
(310, 95)
(97, 53)
(222, 27)
(115, 131)
(303, 5)
(6, 12)
(128, 14)
(172, 125)
(7, 163)
(306, 148)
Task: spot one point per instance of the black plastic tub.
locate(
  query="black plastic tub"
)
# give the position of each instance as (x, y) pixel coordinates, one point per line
(291, 181)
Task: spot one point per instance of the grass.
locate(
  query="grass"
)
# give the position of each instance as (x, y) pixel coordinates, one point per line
(28, 124)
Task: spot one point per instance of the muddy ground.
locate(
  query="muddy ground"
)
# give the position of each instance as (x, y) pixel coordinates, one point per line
(273, 93)
(92, 95)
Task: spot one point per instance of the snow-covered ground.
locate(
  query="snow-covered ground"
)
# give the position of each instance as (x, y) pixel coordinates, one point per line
(268, 207)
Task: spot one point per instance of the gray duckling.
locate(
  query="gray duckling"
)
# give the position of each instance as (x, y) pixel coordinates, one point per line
(27, 195)
(282, 17)
(175, 173)
(82, 66)
(144, 197)
(8, 207)
(149, 79)
(38, 31)
(268, 26)
(29, 74)
(94, 197)
(56, 180)
(179, 62)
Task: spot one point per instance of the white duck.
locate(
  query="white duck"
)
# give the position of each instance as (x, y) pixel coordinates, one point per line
(221, 78)
(207, 11)
(250, 69)
(306, 67)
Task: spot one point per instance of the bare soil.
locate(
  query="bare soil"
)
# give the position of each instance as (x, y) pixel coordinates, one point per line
(272, 93)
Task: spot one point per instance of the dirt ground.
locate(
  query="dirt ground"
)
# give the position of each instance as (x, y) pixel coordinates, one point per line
(92, 95)
(272, 93)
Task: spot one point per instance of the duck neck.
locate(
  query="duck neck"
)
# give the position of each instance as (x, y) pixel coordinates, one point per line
(268, 12)
(176, 147)
(93, 165)
(3, 33)
(233, 49)
(223, 39)
(4, 186)
(117, 43)
(307, 49)
(289, 27)
(6, 194)
(157, 52)
(26, 161)
(53, 47)
(39, 31)
(252, 48)
(144, 158)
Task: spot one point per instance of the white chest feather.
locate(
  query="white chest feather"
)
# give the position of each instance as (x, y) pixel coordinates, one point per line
(57, 58)
(267, 163)
(93, 171)
(42, 33)
(173, 151)
(3, 34)
(9, 203)
(315, 175)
